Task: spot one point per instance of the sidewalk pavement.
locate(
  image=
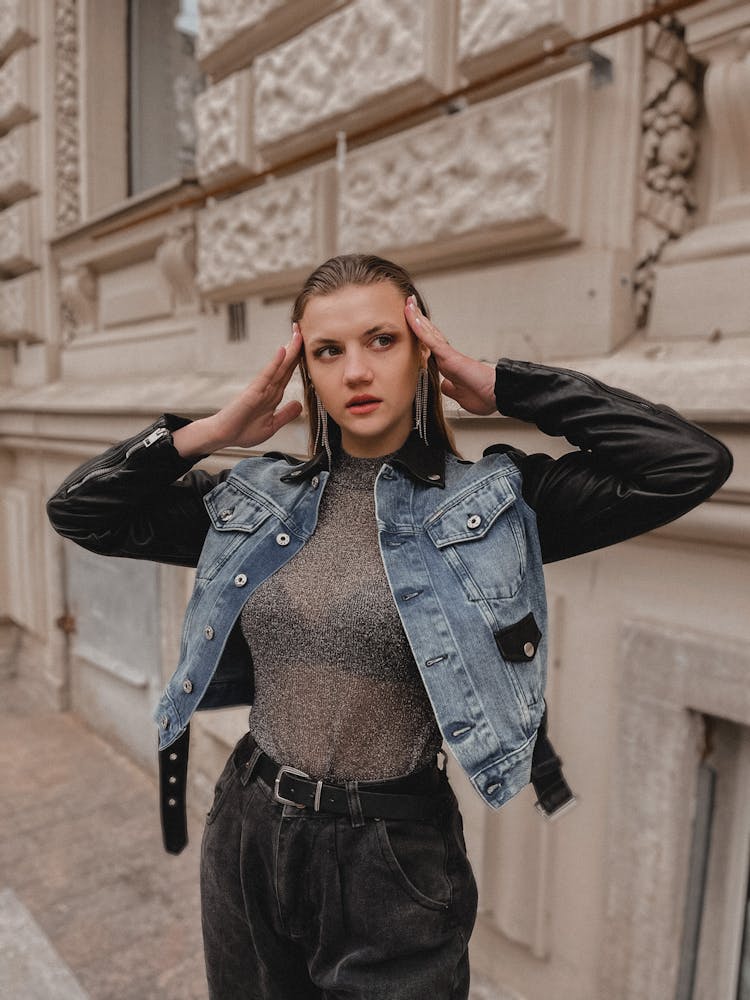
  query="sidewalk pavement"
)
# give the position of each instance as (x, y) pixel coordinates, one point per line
(91, 906)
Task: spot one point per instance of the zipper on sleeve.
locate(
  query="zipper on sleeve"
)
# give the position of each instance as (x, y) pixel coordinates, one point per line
(100, 468)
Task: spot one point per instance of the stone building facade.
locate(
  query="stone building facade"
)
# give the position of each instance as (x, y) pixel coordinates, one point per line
(591, 210)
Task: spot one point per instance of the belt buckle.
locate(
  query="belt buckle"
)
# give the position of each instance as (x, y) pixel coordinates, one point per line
(279, 774)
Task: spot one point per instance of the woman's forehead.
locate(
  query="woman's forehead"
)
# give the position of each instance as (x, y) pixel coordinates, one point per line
(353, 306)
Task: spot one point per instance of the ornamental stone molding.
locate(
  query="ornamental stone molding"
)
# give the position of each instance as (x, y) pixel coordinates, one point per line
(232, 32)
(17, 25)
(19, 163)
(19, 308)
(175, 258)
(353, 69)
(268, 237)
(669, 150)
(18, 90)
(494, 33)
(502, 174)
(223, 116)
(19, 237)
(670, 677)
(78, 294)
(67, 138)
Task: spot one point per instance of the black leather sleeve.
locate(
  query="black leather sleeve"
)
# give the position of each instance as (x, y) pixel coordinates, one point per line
(130, 500)
(639, 464)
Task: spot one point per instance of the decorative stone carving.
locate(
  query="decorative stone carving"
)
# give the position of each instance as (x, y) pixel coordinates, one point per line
(369, 58)
(19, 244)
(493, 174)
(176, 260)
(671, 109)
(16, 25)
(493, 33)
(232, 32)
(19, 308)
(19, 163)
(224, 120)
(78, 293)
(67, 168)
(18, 100)
(267, 237)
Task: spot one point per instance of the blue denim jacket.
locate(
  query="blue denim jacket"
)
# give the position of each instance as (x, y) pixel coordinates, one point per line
(463, 564)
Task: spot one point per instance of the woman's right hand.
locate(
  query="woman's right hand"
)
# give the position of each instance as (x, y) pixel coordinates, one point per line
(251, 417)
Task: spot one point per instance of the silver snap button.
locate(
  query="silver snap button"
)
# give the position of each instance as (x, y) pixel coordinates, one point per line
(225, 515)
(208, 632)
(473, 521)
(173, 756)
(172, 780)
(187, 685)
(172, 802)
(314, 482)
(240, 580)
(282, 538)
(434, 477)
(529, 648)
(164, 722)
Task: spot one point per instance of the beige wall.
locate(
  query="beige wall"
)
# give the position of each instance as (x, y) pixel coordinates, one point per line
(600, 227)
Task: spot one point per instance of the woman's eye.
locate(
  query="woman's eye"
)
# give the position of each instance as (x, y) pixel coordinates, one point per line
(384, 340)
(321, 351)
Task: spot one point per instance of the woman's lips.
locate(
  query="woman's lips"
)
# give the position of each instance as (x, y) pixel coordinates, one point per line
(365, 406)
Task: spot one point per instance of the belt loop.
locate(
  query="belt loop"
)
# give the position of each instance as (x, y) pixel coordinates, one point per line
(355, 806)
(249, 767)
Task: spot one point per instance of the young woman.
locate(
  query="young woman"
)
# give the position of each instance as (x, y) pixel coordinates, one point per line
(391, 596)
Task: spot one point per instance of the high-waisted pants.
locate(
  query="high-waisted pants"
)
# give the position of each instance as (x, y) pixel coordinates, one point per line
(299, 905)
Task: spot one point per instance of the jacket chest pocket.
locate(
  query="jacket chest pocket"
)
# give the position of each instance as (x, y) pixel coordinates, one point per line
(481, 537)
(234, 516)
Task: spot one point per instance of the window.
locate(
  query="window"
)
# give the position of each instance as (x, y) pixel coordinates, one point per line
(163, 82)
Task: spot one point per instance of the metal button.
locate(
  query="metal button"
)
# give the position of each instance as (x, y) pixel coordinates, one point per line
(240, 580)
(314, 482)
(172, 802)
(187, 685)
(172, 780)
(529, 648)
(473, 521)
(282, 538)
(164, 722)
(208, 632)
(173, 756)
(225, 515)
(434, 478)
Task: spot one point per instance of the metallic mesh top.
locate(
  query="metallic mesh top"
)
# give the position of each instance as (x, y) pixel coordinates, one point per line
(337, 691)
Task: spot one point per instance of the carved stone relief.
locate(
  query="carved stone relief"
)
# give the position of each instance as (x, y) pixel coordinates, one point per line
(176, 261)
(271, 230)
(16, 28)
(19, 249)
(19, 304)
(221, 19)
(224, 120)
(19, 161)
(78, 293)
(489, 24)
(17, 97)
(67, 169)
(356, 55)
(487, 168)
(671, 108)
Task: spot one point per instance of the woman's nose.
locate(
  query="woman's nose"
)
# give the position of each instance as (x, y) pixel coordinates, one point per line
(356, 368)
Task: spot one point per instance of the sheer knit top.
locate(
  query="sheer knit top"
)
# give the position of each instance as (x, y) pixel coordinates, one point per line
(337, 691)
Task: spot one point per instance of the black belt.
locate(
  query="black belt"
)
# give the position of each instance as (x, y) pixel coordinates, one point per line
(554, 796)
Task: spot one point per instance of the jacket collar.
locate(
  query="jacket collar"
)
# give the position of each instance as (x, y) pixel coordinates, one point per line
(423, 462)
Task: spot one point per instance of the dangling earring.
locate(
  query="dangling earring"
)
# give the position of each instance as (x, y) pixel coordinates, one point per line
(321, 431)
(420, 403)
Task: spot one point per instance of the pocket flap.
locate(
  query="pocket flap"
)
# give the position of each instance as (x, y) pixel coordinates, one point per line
(231, 509)
(471, 515)
(520, 640)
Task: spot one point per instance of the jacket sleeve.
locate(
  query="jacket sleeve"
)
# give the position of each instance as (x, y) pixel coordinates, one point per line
(130, 500)
(639, 464)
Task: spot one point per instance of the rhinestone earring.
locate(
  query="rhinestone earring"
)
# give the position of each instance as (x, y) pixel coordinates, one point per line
(420, 403)
(321, 431)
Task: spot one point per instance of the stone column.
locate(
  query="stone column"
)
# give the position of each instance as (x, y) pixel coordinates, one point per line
(715, 256)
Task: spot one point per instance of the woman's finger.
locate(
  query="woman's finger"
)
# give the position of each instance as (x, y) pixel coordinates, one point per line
(290, 411)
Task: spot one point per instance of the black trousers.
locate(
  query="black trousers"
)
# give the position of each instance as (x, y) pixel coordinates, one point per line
(298, 904)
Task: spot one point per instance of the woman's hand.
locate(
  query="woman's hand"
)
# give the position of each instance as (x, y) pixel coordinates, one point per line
(471, 383)
(251, 417)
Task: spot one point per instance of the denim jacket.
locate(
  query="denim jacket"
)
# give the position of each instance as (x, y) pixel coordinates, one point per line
(462, 544)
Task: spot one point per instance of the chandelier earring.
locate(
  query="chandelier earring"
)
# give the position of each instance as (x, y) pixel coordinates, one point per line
(420, 403)
(321, 430)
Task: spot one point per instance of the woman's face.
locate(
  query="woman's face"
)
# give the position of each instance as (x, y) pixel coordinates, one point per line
(363, 360)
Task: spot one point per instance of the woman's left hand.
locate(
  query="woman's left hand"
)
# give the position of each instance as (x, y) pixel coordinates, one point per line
(471, 383)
